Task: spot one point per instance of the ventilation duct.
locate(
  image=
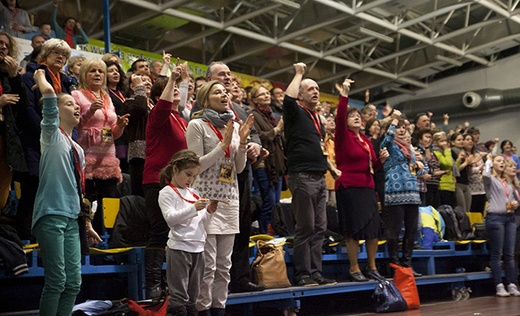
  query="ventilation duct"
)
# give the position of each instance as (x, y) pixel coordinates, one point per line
(463, 104)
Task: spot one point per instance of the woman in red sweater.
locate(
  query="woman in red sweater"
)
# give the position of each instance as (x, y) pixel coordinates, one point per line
(356, 198)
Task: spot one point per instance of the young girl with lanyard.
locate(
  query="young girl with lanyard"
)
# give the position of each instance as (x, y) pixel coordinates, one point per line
(57, 204)
(185, 213)
(501, 224)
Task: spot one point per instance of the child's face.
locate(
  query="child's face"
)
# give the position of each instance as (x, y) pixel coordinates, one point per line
(184, 178)
(69, 111)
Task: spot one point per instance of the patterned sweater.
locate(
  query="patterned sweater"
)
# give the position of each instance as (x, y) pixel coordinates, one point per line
(400, 185)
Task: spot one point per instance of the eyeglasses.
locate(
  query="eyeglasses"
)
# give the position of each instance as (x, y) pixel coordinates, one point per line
(262, 94)
(62, 54)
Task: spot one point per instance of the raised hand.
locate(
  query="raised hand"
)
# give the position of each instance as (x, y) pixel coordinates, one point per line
(344, 88)
(122, 121)
(166, 57)
(42, 83)
(245, 128)
(300, 68)
(228, 135)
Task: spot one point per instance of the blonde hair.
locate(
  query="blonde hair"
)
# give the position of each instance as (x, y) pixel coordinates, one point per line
(85, 67)
(513, 180)
(203, 96)
(52, 44)
(437, 136)
(72, 61)
(254, 91)
(13, 49)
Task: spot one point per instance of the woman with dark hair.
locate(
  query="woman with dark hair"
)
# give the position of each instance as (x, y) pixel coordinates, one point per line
(68, 32)
(221, 145)
(116, 86)
(402, 198)
(138, 105)
(462, 161)
(358, 213)
(15, 21)
(476, 185)
(165, 134)
(507, 151)
(373, 129)
(12, 100)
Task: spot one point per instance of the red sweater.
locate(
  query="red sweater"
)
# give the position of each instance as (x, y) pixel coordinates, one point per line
(351, 156)
(164, 137)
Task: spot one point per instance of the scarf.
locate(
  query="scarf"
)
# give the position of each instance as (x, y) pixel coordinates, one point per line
(55, 78)
(405, 148)
(268, 113)
(68, 37)
(219, 120)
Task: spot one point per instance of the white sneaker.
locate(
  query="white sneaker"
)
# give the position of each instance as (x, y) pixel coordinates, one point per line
(512, 289)
(501, 290)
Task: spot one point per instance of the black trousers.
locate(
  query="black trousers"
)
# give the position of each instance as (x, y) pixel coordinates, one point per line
(240, 271)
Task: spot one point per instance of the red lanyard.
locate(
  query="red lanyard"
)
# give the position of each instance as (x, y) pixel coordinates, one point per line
(366, 146)
(77, 164)
(118, 95)
(102, 98)
(219, 135)
(315, 120)
(504, 184)
(181, 124)
(14, 13)
(189, 105)
(182, 197)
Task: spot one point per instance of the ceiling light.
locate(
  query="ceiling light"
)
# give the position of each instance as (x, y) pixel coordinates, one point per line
(377, 35)
(452, 61)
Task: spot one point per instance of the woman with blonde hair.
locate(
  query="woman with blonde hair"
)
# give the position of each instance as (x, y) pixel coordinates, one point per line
(98, 128)
(268, 171)
(501, 224)
(221, 145)
(54, 56)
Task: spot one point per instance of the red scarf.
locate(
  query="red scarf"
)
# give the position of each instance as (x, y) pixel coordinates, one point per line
(405, 148)
(55, 78)
(68, 37)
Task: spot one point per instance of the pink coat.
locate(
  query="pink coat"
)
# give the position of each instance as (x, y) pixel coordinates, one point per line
(100, 156)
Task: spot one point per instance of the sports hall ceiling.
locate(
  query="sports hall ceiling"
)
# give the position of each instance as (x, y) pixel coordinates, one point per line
(388, 46)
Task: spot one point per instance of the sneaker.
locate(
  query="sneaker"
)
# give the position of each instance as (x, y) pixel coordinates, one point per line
(513, 290)
(318, 278)
(501, 290)
(306, 281)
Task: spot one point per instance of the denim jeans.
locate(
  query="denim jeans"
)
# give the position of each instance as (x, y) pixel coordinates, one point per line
(58, 237)
(270, 196)
(501, 234)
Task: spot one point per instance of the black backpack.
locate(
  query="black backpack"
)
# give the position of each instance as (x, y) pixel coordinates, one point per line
(463, 223)
(452, 231)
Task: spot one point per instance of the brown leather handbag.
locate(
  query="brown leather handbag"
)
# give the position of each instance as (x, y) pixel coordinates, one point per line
(269, 267)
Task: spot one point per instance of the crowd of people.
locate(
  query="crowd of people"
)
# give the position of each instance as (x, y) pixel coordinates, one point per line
(197, 149)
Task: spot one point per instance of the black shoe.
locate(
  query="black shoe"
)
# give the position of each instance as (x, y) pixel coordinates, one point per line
(322, 280)
(357, 277)
(248, 287)
(306, 281)
(373, 274)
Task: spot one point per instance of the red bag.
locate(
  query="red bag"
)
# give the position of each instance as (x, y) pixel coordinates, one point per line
(149, 309)
(405, 282)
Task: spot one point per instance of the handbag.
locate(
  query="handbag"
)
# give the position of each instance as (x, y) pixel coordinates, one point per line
(405, 282)
(269, 268)
(387, 297)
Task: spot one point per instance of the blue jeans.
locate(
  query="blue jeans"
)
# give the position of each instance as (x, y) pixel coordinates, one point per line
(270, 196)
(501, 234)
(58, 237)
